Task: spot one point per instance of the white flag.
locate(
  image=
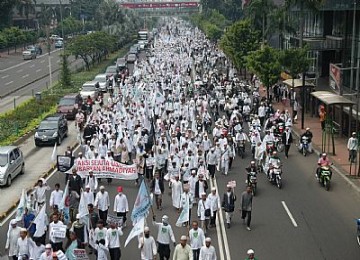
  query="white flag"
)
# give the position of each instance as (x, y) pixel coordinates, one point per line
(62, 205)
(21, 207)
(54, 153)
(136, 230)
(184, 215)
(40, 222)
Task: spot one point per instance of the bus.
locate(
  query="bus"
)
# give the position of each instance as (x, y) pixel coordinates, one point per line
(143, 38)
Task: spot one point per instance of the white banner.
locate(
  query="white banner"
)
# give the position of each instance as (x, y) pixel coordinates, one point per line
(80, 254)
(59, 231)
(103, 168)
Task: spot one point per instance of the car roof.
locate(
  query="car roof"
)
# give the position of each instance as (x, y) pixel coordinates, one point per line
(102, 75)
(53, 117)
(6, 149)
(92, 82)
(111, 67)
(71, 95)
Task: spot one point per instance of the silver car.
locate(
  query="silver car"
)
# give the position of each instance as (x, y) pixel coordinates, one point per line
(11, 164)
(103, 82)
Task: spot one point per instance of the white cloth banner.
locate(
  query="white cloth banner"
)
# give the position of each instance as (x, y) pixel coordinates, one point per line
(104, 168)
(136, 230)
(40, 222)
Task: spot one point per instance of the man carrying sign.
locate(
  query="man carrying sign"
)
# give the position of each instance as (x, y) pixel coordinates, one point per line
(55, 240)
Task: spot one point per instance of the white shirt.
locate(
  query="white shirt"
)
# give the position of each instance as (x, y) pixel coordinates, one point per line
(148, 248)
(214, 201)
(23, 246)
(113, 237)
(56, 197)
(40, 193)
(165, 233)
(102, 201)
(207, 253)
(100, 233)
(89, 197)
(121, 203)
(197, 238)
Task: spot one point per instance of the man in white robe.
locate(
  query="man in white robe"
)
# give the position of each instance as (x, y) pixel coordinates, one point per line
(176, 193)
(12, 237)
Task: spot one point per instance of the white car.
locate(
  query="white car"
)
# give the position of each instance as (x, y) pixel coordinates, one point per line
(103, 82)
(90, 88)
(54, 37)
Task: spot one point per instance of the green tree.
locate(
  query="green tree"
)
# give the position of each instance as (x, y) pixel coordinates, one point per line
(65, 74)
(14, 36)
(6, 7)
(295, 61)
(265, 63)
(26, 7)
(238, 41)
(3, 41)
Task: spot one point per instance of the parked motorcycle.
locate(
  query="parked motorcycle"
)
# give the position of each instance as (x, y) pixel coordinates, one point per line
(325, 177)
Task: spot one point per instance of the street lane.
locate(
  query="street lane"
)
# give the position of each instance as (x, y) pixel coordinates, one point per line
(325, 220)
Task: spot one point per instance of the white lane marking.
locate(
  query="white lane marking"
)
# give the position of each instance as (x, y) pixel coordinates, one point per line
(32, 66)
(42, 61)
(289, 214)
(38, 70)
(20, 70)
(224, 235)
(8, 83)
(25, 76)
(4, 77)
(219, 237)
(25, 62)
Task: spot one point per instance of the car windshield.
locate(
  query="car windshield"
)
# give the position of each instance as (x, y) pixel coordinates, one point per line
(48, 125)
(3, 160)
(88, 88)
(67, 102)
(100, 79)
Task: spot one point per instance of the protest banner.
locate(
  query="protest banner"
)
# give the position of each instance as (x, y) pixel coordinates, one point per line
(59, 231)
(114, 219)
(232, 184)
(103, 168)
(80, 254)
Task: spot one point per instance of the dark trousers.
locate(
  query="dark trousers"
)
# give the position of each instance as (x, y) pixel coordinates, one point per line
(245, 213)
(164, 251)
(352, 155)
(287, 148)
(196, 254)
(103, 216)
(115, 253)
(212, 169)
(262, 119)
(123, 215)
(57, 246)
(323, 125)
(213, 218)
(15, 257)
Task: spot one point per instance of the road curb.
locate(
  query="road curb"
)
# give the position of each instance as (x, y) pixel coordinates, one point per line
(10, 210)
(340, 172)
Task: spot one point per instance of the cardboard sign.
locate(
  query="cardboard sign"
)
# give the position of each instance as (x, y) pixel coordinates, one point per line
(64, 163)
(80, 254)
(115, 220)
(232, 184)
(58, 231)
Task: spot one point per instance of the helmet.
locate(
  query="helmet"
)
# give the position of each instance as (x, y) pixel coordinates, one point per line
(307, 128)
(250, 252)
(252, 162)
(323, 154)
(274, 153)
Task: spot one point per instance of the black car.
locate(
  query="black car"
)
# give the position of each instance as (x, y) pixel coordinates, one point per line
(53, 129)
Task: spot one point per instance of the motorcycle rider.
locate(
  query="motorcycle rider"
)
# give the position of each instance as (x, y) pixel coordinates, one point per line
(323, 162)
(252, 169)
(267, 139)
(309, 135)
(274, 161)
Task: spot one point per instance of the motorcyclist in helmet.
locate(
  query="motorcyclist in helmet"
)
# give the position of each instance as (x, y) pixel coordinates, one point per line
(274, 161)
(250, 255)
(309, 135)
(251, 169)
(322, 162)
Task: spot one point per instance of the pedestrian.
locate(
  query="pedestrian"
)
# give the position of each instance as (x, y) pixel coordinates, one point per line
(12, 237)
(56, 196)
(102, 203)
(24, 246)
(211, 160)
(207, 252)
(79, 228)
(164, 238)
(213, 197)
(47, 254)
(197, 239)
(295, 110)
(287, 140)
(201, 186)
(147, 246)
(40, 193)
(113, 241)
(187, 197)
(74, 244)
(352, 147)
(121, 205)
(322, 116)
(251, 255)
(183, 250)
(56, 242)
(88, 195)
(157, 188)
(204, 212)
(28, 219)
(92, 182)
(228, 204)
(75, 182)
(176, 191)
(101, 250)
(246, 206)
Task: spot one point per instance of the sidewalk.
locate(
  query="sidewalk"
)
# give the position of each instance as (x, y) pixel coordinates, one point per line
(340, 159)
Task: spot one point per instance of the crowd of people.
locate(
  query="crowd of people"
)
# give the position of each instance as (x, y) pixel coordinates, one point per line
(182, 118)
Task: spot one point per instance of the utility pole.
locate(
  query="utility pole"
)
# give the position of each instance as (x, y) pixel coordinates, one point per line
(352, 51)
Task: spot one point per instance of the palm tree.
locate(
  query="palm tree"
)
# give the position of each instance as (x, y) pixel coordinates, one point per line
(26, 7)
(258, 12)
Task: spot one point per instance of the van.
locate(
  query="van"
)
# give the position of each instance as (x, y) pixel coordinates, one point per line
(11, 164)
